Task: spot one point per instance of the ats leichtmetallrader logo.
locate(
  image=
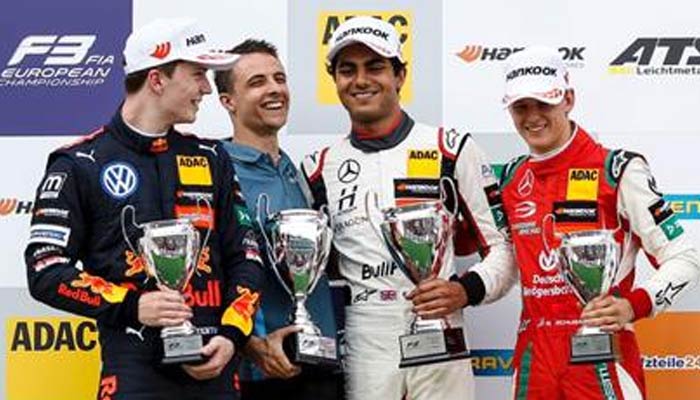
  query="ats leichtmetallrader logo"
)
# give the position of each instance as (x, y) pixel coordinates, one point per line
(658, 56)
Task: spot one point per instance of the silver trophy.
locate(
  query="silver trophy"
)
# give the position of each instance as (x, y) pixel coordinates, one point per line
(298, 249)
(171, 249)
(417, 236)
(589, 261)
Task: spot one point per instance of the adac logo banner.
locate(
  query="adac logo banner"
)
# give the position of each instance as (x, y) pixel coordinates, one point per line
(670, 355)
(685, 206)
(492, 362)
(650, 56)
(62, 353)
(61, 65)
(328, 21)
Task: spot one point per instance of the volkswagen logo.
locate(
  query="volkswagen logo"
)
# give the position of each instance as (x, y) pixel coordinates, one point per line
(119, 180)
(349, 171)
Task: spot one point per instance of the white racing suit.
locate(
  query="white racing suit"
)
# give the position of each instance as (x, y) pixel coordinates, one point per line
(403, 167)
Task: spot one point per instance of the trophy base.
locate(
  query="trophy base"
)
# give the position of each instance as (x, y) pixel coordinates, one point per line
(432, 346)
(592, 348)
(182, 349)
(311, 349)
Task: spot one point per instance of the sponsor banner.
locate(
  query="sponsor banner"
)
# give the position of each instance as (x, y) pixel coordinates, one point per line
(492, 362)
(647, 66)
(684, 206)
(671, 354)
(60, 353)
(62, 63)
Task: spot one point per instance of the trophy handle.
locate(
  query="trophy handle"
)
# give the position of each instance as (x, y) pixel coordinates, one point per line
(393, 252)
(263, 203)
(325, 252)
(543, 233)
(209, 229)
(126, 209)
(444, 183)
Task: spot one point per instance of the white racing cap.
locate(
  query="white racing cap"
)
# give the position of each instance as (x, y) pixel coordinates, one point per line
(165, 40)
(536, 72)
(374, 33)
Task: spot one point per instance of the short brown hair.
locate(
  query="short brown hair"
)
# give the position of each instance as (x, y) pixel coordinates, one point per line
(135, 81)
(223, 79)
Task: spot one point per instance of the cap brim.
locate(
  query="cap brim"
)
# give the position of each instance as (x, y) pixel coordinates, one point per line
(212, 60)
(377, 49)
(544, 97)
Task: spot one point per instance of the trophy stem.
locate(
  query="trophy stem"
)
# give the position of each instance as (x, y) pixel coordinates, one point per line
(590, 330)
(184, 329)
(302, 318)
(419, 324)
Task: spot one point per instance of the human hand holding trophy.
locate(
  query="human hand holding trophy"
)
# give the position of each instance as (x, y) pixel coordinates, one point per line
(417, 236)
(589, 261)
(298, 248)
(170, 250)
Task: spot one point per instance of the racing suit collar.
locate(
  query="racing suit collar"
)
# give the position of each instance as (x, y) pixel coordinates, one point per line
(580, 143)
(392, 139)
(135, 140)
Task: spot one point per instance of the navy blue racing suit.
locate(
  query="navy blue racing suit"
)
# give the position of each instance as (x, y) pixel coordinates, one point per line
(77, 218)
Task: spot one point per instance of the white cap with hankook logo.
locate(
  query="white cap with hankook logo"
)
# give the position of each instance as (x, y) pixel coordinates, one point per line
(165, 40)
(536, 72)
(374, 33)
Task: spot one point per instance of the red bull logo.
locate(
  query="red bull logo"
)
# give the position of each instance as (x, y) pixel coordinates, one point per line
(109, 291)
(240, 312)
(135, 262)
(209, 297)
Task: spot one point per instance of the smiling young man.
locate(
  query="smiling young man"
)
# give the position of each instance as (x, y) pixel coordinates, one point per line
(569, 182)
(138, 159)
(388, 153)
(255, 94)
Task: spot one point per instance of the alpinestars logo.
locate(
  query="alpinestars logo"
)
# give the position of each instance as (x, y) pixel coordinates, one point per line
(572, 55)
(654, 56)
(56, 61)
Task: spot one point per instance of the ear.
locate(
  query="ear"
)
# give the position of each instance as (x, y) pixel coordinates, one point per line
(228, 101)
(569, 100)
(155, 81)
(400, 79)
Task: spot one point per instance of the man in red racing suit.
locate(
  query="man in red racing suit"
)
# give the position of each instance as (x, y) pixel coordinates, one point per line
(567, 183)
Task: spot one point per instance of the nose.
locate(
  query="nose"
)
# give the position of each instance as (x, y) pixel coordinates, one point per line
(361, 78)
(205, 87)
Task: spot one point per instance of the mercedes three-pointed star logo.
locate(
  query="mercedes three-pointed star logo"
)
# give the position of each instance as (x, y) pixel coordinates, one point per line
(349, 171)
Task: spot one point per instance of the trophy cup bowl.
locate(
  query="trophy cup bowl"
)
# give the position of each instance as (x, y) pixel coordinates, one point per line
(589, 262)
(299, 246)
(170, 249)
(417, 236)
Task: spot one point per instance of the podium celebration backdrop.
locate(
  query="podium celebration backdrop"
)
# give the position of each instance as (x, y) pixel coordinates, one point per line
(635, 66)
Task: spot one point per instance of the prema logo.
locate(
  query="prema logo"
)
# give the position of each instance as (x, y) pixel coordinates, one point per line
(162, 50)
(573, 56)
(654, 56)
(56, 60)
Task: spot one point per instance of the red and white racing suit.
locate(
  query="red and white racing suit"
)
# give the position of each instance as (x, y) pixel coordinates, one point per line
(401, 167)
(586, 186)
